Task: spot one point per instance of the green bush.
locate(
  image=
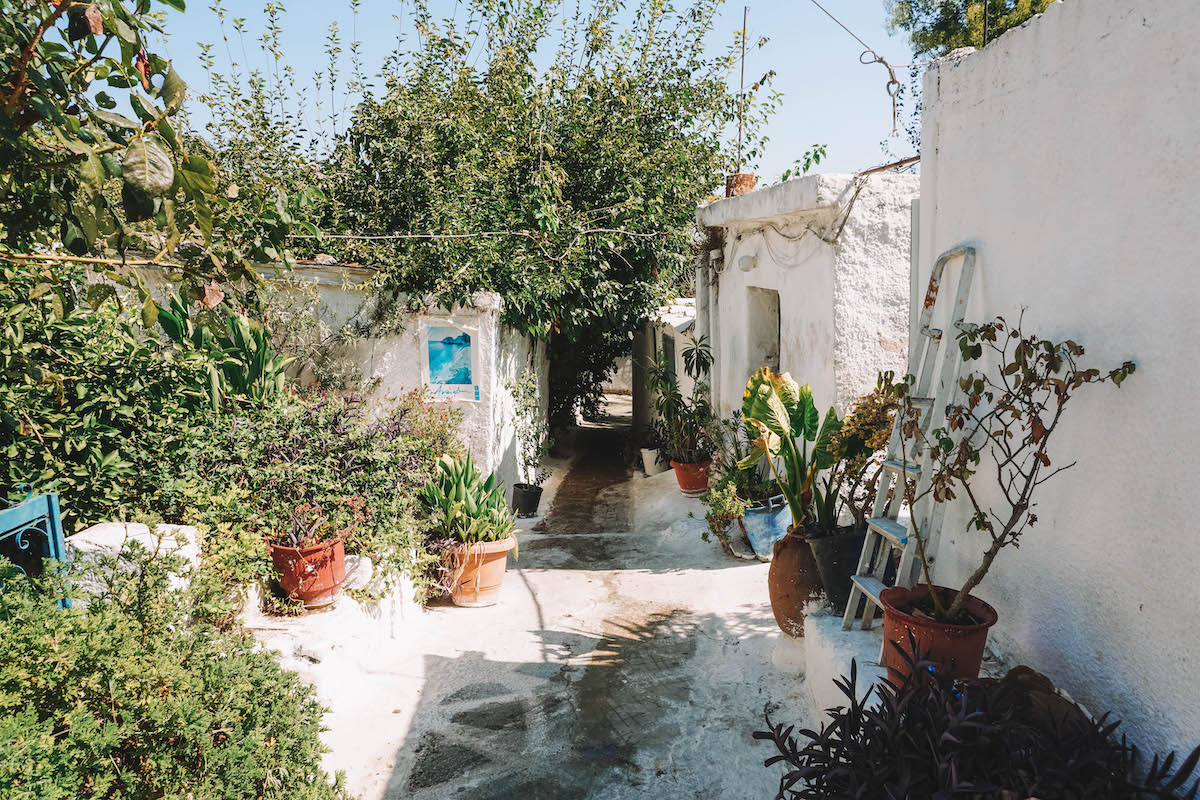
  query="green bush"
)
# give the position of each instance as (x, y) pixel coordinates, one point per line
(133, 699)
(261, 468)
(89, 399)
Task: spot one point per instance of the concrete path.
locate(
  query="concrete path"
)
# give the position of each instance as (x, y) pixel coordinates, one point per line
(631, 663)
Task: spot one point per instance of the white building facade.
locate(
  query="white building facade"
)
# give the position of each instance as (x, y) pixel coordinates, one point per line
(812, 277)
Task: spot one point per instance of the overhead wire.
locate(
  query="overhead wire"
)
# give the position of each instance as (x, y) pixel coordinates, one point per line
(871, 56)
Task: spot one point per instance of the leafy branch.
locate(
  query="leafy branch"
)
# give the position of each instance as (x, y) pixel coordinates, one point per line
(1008, 417)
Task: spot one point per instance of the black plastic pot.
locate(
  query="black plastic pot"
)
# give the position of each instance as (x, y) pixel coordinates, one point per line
(837, 559)
(526, 499)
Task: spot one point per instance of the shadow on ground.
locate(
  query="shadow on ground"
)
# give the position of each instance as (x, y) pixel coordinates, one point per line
(609, 718)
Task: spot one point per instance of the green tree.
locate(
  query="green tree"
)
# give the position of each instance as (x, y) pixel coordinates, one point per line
(93, 160)
(558, 165)
(935, 27)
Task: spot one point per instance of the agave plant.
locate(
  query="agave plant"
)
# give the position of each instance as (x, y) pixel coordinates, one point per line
(791, 431)
(465, 507)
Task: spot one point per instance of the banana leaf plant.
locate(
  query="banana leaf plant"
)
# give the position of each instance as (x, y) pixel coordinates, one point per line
(791, 432)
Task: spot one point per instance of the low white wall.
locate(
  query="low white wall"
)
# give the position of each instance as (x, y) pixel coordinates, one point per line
(843, 306)
(391, 362)
(1066, 151)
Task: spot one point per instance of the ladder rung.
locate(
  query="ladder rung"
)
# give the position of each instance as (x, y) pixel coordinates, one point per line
(895, 465)
(871, 587)
(921, 402)
(889, 529)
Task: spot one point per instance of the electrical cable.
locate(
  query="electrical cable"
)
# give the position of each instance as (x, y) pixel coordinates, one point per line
(893, 85)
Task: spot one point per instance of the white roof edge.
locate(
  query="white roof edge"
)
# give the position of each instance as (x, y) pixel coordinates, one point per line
(804, 194)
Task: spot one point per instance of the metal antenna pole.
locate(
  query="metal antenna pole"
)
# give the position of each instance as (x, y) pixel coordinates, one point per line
(742, 91)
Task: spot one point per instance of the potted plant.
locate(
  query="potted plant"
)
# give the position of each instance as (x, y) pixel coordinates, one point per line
(310, 555)
(787, 422)
(471, 517)
(1000, 432)
(764, 519)
(846, 488)
(725, 509)
(831, 469)
(650, 445)
(685, 424)
(533, 443)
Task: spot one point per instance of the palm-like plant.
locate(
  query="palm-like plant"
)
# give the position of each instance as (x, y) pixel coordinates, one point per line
(686, 424)
(465, 507)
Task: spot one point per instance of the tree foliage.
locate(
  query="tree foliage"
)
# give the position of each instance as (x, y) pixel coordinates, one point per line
(94, 156)
(89, 400)
(935, 27)
(549, 153)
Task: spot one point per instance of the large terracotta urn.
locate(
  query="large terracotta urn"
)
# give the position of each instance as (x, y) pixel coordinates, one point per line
(793, 582)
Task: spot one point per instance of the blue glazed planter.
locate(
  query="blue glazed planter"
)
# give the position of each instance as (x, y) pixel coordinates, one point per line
(766, 524)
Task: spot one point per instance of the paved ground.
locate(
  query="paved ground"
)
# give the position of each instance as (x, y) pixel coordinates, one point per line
(628, 663)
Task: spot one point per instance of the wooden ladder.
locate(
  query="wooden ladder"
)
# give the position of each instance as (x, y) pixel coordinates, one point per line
(886, 534)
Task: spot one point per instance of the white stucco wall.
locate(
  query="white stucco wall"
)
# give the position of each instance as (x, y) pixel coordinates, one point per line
(621, 381)
(1066, 151)
(391, 363)
(843, 306)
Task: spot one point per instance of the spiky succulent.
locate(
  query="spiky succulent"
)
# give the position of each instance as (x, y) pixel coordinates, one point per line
(464, 506)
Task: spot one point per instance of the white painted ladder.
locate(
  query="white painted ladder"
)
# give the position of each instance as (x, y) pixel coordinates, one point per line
(886, 535)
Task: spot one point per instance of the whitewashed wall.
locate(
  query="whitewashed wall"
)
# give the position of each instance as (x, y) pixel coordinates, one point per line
(1067, 152)
(392, 363)
(843, 306)
(621, 381)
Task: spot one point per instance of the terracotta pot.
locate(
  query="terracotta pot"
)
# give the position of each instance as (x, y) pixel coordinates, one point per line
(313, 575)
(958, 648)
(479, 572)
(526, 499)
(792, 582)
(693, 478)
(739, 183)
(837, 559)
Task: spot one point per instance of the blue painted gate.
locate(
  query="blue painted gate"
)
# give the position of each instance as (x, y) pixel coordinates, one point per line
(31, 531)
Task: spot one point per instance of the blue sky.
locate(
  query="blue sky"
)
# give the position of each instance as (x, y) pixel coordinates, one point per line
(828, 96)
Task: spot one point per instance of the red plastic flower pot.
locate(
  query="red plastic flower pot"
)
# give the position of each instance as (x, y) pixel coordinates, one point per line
(693, 478)
(313, 575)
(956, 648)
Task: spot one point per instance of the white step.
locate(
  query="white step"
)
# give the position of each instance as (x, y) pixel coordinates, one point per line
(896, 465)
(871, 586)
(889, 529)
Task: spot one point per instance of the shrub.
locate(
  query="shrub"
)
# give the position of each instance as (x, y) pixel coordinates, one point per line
(89, 400)
(931, 736)
(262, 468)
(130, 698)
(725, 507)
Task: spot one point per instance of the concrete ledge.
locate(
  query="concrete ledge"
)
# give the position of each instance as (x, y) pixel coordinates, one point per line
(107, 539)
(827, 656)
(808, 193)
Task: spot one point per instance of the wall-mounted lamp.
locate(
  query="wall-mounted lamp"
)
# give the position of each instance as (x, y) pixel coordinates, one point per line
(747, 263)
